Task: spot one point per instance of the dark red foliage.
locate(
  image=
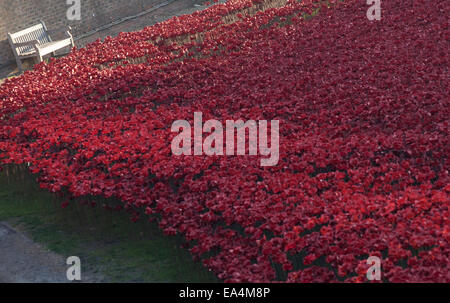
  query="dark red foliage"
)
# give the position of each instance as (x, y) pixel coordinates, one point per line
(364, 136)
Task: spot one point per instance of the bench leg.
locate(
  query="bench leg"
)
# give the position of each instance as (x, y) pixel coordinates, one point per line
(19, 64)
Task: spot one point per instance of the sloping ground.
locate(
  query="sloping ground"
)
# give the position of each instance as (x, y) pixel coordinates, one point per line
(160, 14)
(110, 247)
(23, 261)
(364, 135)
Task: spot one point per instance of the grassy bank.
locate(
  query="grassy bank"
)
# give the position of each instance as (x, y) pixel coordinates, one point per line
(106, 241)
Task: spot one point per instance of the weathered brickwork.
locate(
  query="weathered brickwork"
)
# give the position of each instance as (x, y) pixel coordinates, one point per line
(19, 14)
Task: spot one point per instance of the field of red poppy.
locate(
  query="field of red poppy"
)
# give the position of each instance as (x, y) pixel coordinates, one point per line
(364, 135)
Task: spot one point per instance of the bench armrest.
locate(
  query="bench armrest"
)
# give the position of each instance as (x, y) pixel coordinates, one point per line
(66, 30)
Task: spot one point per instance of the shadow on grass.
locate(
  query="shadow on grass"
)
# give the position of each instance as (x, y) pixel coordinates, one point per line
(106, 241)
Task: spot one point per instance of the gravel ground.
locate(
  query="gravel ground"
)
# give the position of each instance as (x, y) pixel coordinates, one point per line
(23, 261)
(175, 8)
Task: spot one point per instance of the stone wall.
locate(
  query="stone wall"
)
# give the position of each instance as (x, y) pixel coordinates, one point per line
(16, 15)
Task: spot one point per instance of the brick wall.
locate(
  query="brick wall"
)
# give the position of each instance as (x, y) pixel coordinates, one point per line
(16, 15)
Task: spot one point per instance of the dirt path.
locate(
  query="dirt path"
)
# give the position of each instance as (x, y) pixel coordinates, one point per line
(174, 8)
(23, 261)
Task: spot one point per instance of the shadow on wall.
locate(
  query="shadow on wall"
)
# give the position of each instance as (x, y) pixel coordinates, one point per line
(17, 15)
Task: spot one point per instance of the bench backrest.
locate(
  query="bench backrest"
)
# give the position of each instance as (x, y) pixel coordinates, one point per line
(36, 32)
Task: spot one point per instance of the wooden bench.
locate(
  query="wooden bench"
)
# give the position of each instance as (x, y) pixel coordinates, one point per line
(36, 42)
